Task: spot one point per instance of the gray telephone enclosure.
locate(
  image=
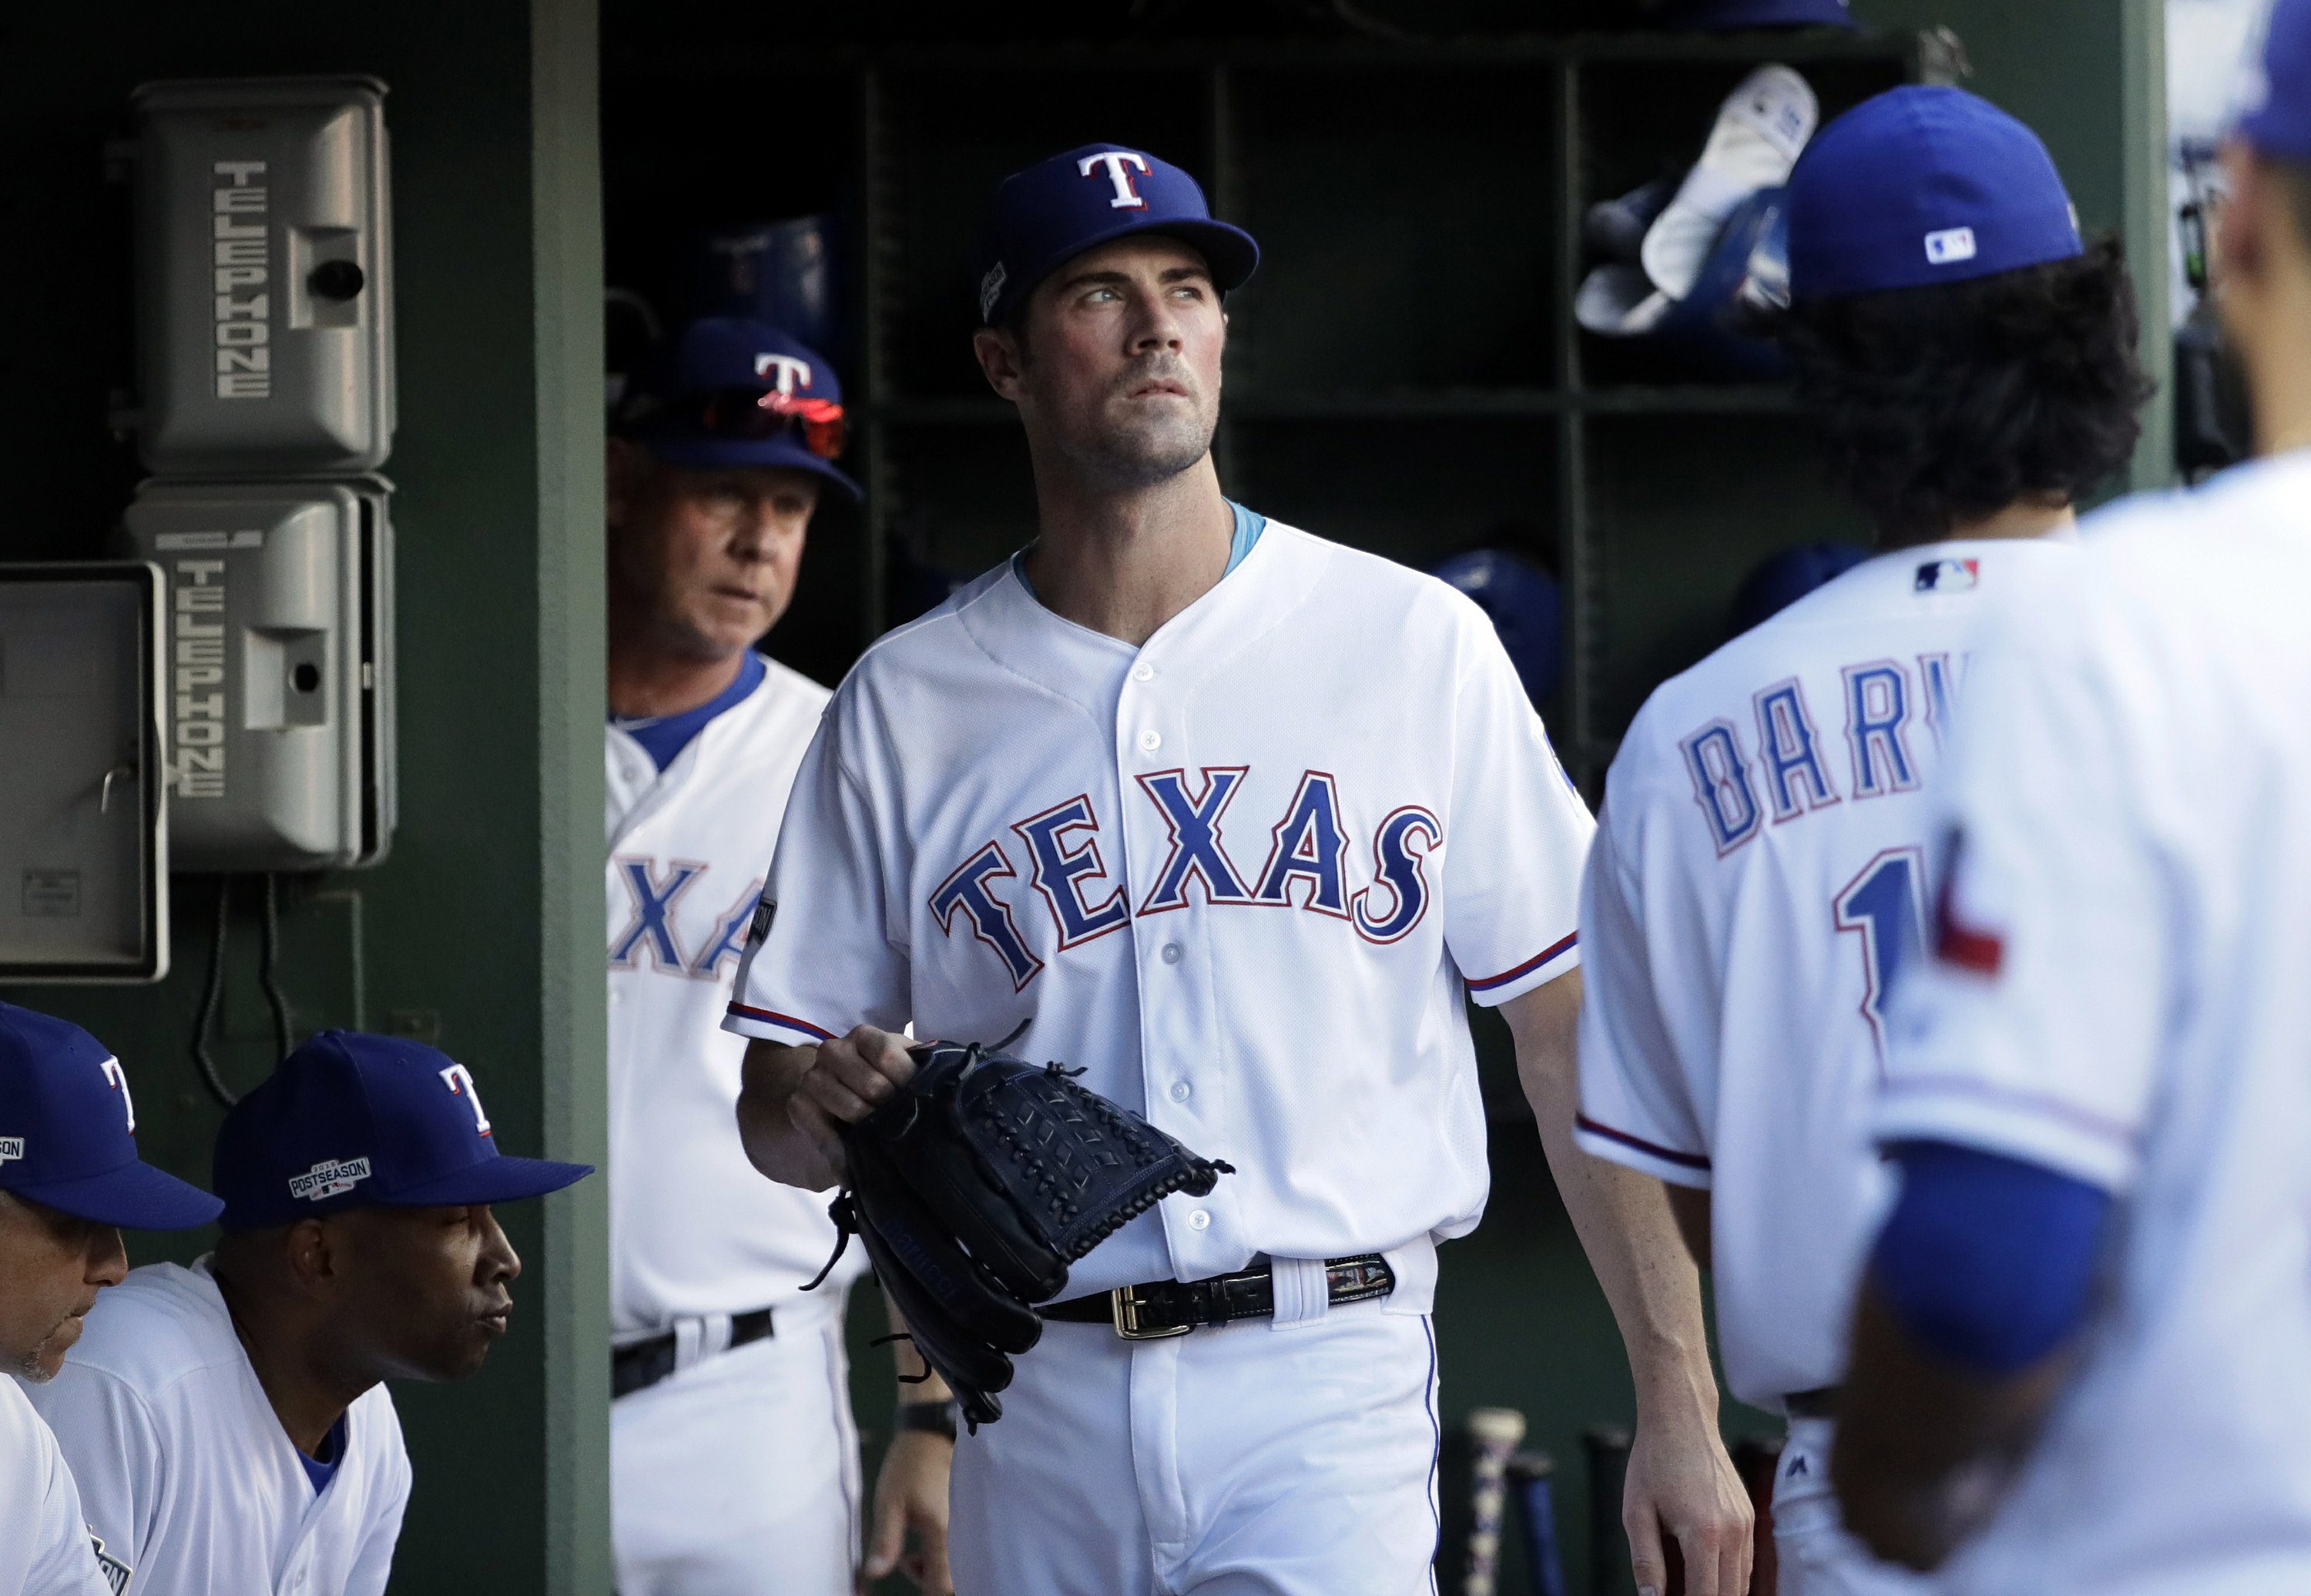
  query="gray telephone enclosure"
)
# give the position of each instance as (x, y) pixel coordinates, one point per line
(278, 717)
(84, 836)
(265, 277)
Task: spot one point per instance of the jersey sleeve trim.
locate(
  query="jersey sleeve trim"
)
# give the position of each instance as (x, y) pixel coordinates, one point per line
(1995, 1119)
(769, 1026)
(1667, 1163)
(1489, 991)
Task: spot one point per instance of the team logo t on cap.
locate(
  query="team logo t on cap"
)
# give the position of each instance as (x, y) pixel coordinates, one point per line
(68, 1131)
(1924, 184)
(1048, 213)
(351, 1119)
(727, 391)
(2275, 113)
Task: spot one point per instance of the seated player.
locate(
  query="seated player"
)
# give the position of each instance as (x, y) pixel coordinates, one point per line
(226, 1422)
(69, 1179)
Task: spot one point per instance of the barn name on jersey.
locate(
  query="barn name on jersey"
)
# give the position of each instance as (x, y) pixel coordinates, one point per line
(1779, 768)
(1054, 857)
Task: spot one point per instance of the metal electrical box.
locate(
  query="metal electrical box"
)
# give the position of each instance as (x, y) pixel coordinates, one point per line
(278, 719)
(263, 277)
(83, 841)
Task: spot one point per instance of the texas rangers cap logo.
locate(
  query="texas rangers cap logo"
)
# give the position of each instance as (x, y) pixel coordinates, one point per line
(1118, 164)
(1948, 576)
(785, 372)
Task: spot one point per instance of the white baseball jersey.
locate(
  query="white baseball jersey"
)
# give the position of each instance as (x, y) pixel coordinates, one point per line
(2120, 990)
(694, 1229)
(1759, 877)
(185, 1471)
(1243, 876)
(44, 1538)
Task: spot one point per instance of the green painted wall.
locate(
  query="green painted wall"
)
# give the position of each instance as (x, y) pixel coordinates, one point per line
(484, 926)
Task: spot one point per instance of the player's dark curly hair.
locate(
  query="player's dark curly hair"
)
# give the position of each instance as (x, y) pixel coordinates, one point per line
(1944, 405)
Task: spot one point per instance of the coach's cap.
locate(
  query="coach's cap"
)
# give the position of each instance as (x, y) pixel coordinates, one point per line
(1921, 184)
(1732, 16)
(353, 1121)
(729, 391)
(2275, 110)
(68, 1130)
(1048, 213)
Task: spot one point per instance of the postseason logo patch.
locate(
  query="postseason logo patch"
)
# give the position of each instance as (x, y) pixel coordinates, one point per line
(766, 910)
(330, 1178)
(10, 1146)
(1948, 576)
(116, 1573)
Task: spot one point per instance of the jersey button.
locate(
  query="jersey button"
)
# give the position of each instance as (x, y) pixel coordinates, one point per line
(1150, 740)
(1143, 673)
(1180, 1091)
(1171, 953)
(1200, 1220)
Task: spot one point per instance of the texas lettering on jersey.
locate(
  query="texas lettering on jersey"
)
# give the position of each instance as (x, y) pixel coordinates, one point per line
(1052, 859)
(1781, 768)
(652, 938)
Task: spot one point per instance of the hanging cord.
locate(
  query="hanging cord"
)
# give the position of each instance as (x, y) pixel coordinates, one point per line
(212, 994)
(269, 970)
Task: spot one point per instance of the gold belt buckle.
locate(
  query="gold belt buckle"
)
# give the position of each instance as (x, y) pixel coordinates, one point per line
(1123, 1303)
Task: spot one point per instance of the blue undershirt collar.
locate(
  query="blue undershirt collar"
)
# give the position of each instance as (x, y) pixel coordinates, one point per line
(663, 737)
(320, 1470)
(1248, 524)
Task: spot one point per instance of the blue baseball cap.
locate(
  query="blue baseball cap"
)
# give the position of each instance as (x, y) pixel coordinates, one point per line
(2275, 112)
(354, 1121)
(1780, 580)
(1924, 184)
(68, 1131)
(726, 391)
(1732, 16)
(1046, 214)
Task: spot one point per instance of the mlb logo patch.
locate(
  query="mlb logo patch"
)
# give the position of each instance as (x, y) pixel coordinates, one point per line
(328, 1178)
(1950, 246)
(10, 1146)
(1948, 576)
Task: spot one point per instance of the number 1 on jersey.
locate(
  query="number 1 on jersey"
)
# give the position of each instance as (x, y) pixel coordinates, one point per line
(1884, 904)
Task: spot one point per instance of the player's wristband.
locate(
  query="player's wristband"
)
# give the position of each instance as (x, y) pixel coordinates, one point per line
(929, 1418)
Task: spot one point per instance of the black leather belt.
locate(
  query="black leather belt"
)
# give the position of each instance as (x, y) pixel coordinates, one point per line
(644, 1364)
(1160, 1308)
(1820, 1403)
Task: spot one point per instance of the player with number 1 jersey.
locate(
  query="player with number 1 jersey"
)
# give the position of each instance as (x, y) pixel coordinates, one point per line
(1759, 877)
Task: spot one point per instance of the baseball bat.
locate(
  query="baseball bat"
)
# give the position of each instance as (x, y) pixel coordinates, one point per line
(1532, 1488)
(1496, 1432)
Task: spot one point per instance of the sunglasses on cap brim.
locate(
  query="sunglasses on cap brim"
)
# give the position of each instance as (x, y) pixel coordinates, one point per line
(750, 413)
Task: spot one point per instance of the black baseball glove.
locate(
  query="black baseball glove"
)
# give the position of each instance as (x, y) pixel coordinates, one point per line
(977, 1186)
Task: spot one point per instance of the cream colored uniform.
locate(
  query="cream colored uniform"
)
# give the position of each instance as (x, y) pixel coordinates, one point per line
(738, 1473)
(1247, 877)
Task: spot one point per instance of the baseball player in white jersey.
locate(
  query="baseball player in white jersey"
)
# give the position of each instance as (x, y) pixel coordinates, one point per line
(226, 1422)
(2086, 1323)
(1236, 820)
(735, 1463)
(1759, 869)
(69, 1179)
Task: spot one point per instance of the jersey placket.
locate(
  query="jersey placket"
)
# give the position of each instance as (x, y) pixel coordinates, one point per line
(1173, 961)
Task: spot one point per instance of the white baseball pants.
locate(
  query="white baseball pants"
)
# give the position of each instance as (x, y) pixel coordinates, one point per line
(1817, 1558)
(1255, 1459)
(739, 1476)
